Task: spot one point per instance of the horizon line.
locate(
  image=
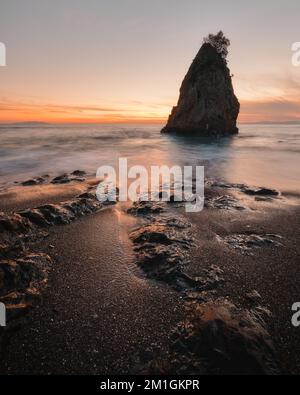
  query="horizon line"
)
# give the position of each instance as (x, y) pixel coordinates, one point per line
(135, 121)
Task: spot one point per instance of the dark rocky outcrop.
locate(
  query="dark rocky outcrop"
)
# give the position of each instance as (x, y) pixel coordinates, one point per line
(24, 274)
(246, 243)
(33, 181)
(144, 208)
(26, 225)
(219, 339)
(207, 104)
(261, 192)
(224, 202)
(161, 247)
(22, 280)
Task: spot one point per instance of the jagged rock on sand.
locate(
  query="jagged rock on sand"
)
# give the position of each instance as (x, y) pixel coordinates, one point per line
(66, 178)
(145, 208)
(161, 247)
(14, 231)
(64, 213)
(22, 279)
(79, 173)
(75, 176)
(219, 338)
(224, 185)
(34, 181)
(207, 280)
(260, 192)
(245, 243)
(26, 225)
(224, 202)
(253, 297)
(23, 274)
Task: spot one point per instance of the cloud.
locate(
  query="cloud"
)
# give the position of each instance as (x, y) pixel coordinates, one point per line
(276, 110)
(11, 111)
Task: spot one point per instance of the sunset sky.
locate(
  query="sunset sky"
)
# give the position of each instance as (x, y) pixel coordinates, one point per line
(124, 60)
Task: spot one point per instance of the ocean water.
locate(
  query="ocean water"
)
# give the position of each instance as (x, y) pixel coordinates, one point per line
(261, 155)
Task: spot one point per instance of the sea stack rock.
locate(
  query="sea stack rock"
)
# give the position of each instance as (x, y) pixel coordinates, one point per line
(207, 104)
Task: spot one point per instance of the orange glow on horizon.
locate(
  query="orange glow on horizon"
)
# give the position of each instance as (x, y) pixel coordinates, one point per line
(251, 112)
(19, 112)
(73, 119)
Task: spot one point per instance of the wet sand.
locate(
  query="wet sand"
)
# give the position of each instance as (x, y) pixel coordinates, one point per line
(101, 313)
(272, 271)
(98, 311)
(20, 198)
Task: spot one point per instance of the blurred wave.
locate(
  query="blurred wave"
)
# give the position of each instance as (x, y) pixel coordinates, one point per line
(260, 155)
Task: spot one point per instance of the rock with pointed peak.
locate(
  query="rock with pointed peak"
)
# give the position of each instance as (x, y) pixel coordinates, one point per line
(207, 104)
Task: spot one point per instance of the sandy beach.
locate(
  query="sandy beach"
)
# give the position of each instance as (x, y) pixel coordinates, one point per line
(149, 192)
(124, 278)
